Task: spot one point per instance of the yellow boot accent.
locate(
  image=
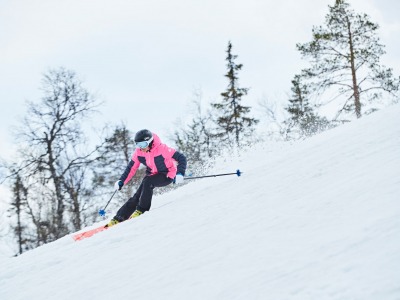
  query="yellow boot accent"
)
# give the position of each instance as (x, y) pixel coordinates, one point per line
(137, 213)
(112, 223)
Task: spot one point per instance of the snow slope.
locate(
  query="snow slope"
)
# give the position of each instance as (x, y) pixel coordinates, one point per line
(319, 219)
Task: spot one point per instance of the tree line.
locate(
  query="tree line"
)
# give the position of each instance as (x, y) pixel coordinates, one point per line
(58, 182)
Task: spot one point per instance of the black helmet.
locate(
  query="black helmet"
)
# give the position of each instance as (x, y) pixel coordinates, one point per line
(143, 138)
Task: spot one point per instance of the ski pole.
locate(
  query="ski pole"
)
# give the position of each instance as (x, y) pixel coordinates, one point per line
(102, 212)
(238, 173)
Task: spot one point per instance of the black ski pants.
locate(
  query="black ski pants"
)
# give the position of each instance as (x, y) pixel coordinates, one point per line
(141, 200)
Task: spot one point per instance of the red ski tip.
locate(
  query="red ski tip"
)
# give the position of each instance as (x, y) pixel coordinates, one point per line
(83, 235)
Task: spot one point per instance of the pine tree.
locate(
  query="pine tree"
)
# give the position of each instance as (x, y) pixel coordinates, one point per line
(233, 124)
(299, 105)
(344, 57)
(303, 118)
(17, 207)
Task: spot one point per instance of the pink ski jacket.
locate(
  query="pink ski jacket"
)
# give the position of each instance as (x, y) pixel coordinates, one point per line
(160, 159)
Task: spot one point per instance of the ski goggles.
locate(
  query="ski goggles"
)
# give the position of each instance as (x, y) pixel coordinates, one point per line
(143, 144)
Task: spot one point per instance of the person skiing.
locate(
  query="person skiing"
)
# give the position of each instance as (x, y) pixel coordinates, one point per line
(164, 166)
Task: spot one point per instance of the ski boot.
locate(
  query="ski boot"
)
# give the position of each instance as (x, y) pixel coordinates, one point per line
(112, 223)
(136, 213)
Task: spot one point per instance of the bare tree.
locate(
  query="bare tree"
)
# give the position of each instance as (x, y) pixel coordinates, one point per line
(116, 153)
(54, 153)
(196, 138)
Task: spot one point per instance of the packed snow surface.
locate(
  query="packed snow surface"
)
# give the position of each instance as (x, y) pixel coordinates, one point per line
(316, 219)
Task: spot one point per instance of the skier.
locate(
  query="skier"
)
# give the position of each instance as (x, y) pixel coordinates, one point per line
(164, 166)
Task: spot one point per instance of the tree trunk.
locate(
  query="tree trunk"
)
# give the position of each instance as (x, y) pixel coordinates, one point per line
(356, 92)
(75, 210)
(59, 229)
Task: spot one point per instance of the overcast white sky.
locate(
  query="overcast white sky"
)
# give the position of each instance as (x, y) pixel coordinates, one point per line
(145, 58)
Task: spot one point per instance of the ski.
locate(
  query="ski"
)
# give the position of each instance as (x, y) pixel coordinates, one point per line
(86, 234)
